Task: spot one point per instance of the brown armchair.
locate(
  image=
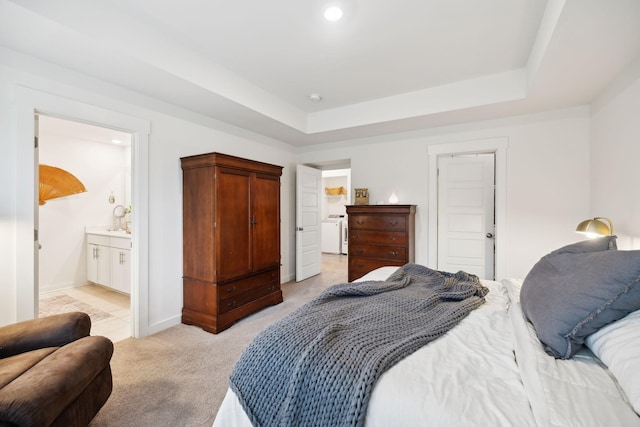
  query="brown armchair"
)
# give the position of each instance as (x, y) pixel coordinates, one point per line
(52, 373)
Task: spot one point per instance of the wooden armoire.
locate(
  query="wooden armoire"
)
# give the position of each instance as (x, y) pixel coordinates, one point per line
(231, 239)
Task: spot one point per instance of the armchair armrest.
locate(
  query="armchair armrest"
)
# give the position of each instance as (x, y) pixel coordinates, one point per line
(50, 331)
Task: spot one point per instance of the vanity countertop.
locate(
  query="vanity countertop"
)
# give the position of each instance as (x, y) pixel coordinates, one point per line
(105, 232)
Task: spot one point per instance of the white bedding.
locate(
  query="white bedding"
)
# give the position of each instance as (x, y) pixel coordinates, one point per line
(490, 370)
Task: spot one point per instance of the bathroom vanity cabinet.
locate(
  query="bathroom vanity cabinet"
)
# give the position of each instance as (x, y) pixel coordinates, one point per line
(109, 260)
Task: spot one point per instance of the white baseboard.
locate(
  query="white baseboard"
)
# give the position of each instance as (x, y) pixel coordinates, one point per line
(60, 287)
(287, 278)
(161, 326)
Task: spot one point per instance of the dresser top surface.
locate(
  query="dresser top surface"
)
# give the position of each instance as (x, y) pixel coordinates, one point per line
(381, 209)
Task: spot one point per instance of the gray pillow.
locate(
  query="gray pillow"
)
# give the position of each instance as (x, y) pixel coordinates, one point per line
(569, 295)
(605, 243)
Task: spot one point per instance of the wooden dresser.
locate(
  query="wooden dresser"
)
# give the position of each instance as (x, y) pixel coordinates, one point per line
(231, 239)
(379, 235)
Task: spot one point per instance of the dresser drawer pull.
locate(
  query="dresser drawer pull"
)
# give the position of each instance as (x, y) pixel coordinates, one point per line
(231, 289)
(392, 238)
(358, 251)
(360, 265)
(359, 221)
(270, 288)
(393, 223)
(231, 304)
(393, 253)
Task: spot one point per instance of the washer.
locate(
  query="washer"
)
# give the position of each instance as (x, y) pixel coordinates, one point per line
(331, 235)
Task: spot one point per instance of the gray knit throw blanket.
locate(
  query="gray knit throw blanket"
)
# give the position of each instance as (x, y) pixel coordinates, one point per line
(317, 366)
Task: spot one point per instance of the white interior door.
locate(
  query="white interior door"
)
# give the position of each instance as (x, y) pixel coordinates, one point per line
(466, 226)
(308, 222)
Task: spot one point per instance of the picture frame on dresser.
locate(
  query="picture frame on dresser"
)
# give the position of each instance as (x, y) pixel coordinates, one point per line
(379, 235)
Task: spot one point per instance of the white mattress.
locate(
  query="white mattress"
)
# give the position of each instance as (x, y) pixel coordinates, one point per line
(488, 370)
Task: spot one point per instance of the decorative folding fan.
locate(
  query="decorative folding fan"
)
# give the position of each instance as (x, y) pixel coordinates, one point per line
(56, 182)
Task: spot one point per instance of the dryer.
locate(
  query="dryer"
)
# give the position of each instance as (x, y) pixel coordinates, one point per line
(344, 247)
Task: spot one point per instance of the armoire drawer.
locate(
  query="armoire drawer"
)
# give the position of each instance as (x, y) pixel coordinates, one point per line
(378, 222)
(392, 253)
(239, 300)
(241, 286)
(378, 238)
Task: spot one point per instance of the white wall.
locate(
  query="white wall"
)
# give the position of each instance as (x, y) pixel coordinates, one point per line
(548, 175)
(8, 220)
(102, 168)
(174, 134)
(615, 160)
(171, 140)
(547, 168)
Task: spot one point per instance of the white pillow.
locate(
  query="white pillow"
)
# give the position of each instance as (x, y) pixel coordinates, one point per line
(617, 345)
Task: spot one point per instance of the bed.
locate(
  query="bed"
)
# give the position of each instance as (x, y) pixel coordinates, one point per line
(492, 369)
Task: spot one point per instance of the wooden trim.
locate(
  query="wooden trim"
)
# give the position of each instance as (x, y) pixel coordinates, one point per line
(226, 160)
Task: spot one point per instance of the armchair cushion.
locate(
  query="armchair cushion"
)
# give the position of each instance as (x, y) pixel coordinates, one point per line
(13, 366)
(40, 394)
(51, 331)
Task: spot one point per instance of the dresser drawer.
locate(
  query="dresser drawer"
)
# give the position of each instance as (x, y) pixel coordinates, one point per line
(392, 253)
(239, 300)
(378, 237)
(378, 222)
(241, 286)
(358, 267)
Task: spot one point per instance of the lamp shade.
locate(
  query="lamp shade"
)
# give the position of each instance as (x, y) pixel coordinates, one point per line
(56, 182)
(596, 227)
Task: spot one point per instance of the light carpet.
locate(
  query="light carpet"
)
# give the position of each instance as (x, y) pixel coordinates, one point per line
(178, 377)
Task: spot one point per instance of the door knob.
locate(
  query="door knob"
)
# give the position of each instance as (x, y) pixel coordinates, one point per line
(489, 236)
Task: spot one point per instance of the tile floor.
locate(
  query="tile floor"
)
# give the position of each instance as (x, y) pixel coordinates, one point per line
(118, 326)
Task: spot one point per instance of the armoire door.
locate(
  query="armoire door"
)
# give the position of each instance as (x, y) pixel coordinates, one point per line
(266, 221)
(233, 223)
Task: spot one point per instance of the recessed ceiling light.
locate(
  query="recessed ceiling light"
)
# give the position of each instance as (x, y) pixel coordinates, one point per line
(333, 13)
(116, 141)
(314, 97)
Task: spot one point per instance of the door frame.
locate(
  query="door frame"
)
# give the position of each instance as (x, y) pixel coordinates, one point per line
(28, 102)
(498, 146)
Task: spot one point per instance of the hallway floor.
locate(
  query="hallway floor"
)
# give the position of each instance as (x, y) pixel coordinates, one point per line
(336, 262)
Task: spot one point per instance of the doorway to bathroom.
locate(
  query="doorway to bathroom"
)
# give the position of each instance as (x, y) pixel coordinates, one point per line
(28, 104)
(75, 273)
